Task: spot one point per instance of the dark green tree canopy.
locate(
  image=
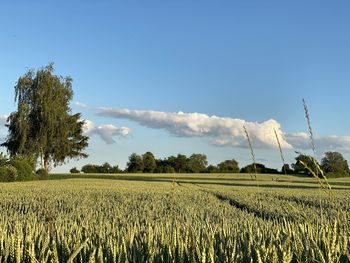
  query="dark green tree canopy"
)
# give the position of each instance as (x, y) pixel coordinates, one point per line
(212, 169)
(104, 168)
(229, 166)
(301, 161)
(260, 168)
(149, 162)
(286, 169)
(334, 162)
(74, 170)
(197, 163)
(135, 164)
(179, 163)
(43, 126)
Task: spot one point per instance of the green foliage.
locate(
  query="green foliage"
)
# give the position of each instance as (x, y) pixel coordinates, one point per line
(140, 222)
(8, 173)
(163, 166)
(179, 163)
(301, 161)
(89, 168)
(74, 170)
(42, 174)
(212, 169)
(135, 164)
(17, 168)
(260, 169)
(286, 169)
(197, 163)
(228, 166)
(3, 159)
(149, 162)
(105, 168)
(24, 167)
(43, 126)
(94, 168)
(334, 163)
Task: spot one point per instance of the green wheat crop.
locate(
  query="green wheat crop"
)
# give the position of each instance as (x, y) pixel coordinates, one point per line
(84, 220)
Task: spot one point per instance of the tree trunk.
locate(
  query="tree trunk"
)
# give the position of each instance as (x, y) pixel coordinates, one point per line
(41, 158)
(46, 165)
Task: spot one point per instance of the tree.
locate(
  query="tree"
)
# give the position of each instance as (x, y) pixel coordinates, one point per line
(212, 169)
(163, 166)
(135, 164)
(286, 169)
(115, 169)
(74, 170)
(89, 168)
(179, 163)
(260, 169)
(334, 162)
(149, 162)
(105, 168)
(3, 159)
(197, 163)
(301, 161)
(43, 126)
(229, 166)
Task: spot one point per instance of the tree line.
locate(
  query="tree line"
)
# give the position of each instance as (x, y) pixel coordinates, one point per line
(333, 164)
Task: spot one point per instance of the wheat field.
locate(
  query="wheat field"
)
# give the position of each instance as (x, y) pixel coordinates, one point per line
(101, 220)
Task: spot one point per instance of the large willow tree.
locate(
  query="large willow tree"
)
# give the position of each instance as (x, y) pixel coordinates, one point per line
(43, 127)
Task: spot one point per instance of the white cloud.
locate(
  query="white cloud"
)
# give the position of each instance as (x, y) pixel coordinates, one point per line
(333, 143)
(221, 131)
(106, 132)
(301, 141)
(80, 104)
(228, 131)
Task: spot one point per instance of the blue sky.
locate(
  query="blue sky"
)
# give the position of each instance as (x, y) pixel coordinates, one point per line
(247, 60)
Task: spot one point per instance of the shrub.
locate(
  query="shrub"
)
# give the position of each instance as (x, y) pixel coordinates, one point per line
(3, 159)
(74, 170)
(42, 174)
(8, 173)
(24, 167)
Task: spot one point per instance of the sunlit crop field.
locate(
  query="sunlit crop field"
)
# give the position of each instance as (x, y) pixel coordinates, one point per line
(183, 219)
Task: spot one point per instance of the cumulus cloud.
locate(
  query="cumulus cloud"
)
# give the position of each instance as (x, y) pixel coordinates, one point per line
(323, 143)
(221, 131)
(80, 104)
(227, 131)
(106, 132)
(299, 140)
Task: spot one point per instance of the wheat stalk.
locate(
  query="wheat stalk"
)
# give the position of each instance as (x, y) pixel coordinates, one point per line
(252, 154)
(307, 115)
(280, 149)
(319, 172)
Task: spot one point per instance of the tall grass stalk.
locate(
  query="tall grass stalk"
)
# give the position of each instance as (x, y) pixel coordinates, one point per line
(281, 152)
(252, 154)
(317, 172)
(312, 141)
(173, 188)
